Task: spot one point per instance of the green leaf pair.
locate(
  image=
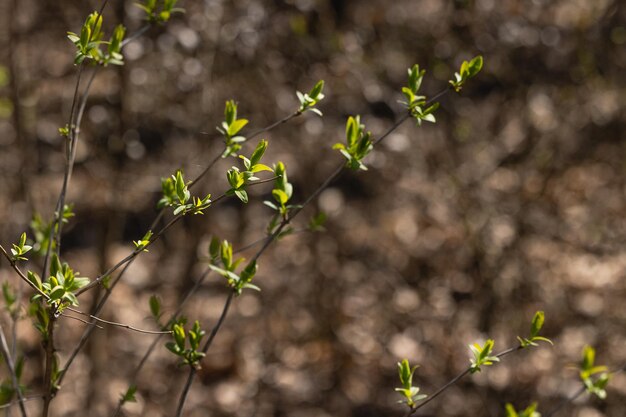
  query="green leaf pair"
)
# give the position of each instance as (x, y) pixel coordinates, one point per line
(309, 100)
(238, 180)
(358, 144)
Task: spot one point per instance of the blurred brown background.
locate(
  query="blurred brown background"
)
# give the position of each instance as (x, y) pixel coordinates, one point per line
(513, 202)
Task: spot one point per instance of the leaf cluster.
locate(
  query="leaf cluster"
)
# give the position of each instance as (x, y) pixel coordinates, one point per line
(467, 71)
(238, 180)
(176, 194)
(58, 290)
(230, 129)
(282, 193)
(411, 393)
(588, 370)
(416, 103)
(358, 144)
(190, 355)
(483, 355)
(159, 11)
(88, 44)
(222, 253)
(20, 249)
(309, 100)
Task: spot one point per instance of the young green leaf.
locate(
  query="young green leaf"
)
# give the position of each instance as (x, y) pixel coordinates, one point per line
(535, 327)
(482, 355)
(411, 393)
(530, 411)
(155, 306)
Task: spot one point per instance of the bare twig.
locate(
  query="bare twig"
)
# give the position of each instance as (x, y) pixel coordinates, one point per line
(114, 323)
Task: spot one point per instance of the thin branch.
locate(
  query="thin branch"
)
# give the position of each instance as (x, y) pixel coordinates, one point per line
(577, 394)
(114, 323)
(9, 361)
(26, 399)
(81, 320)
(20, 273)
(136, 35)
(154, 238)
(49, 344)
(454, 380)
(566, 401)
(205, 348)
(273, 125)
(128, 258)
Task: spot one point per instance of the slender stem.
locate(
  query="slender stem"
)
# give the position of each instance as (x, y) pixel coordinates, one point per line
(49, 364)
(70, 153)
(438, 392)
(273, 125)
(114, 323)
(128, 258)
(566, 401)
(9, 361)
(454, 380)
(73, 143)
(576, 394)
(68, 147)
(206, 170)
(205, 348)
(136, 35)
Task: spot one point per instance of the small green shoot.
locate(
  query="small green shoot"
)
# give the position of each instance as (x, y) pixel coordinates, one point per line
(223, 253)
(309, 100)
(530, 411)
(18, 251)
(411, 393)
(190, 355)
(140, 245)
(588, 369)
(535, 327)
(415, 103)
(358, 144)
(467, 71)
(482, 355)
